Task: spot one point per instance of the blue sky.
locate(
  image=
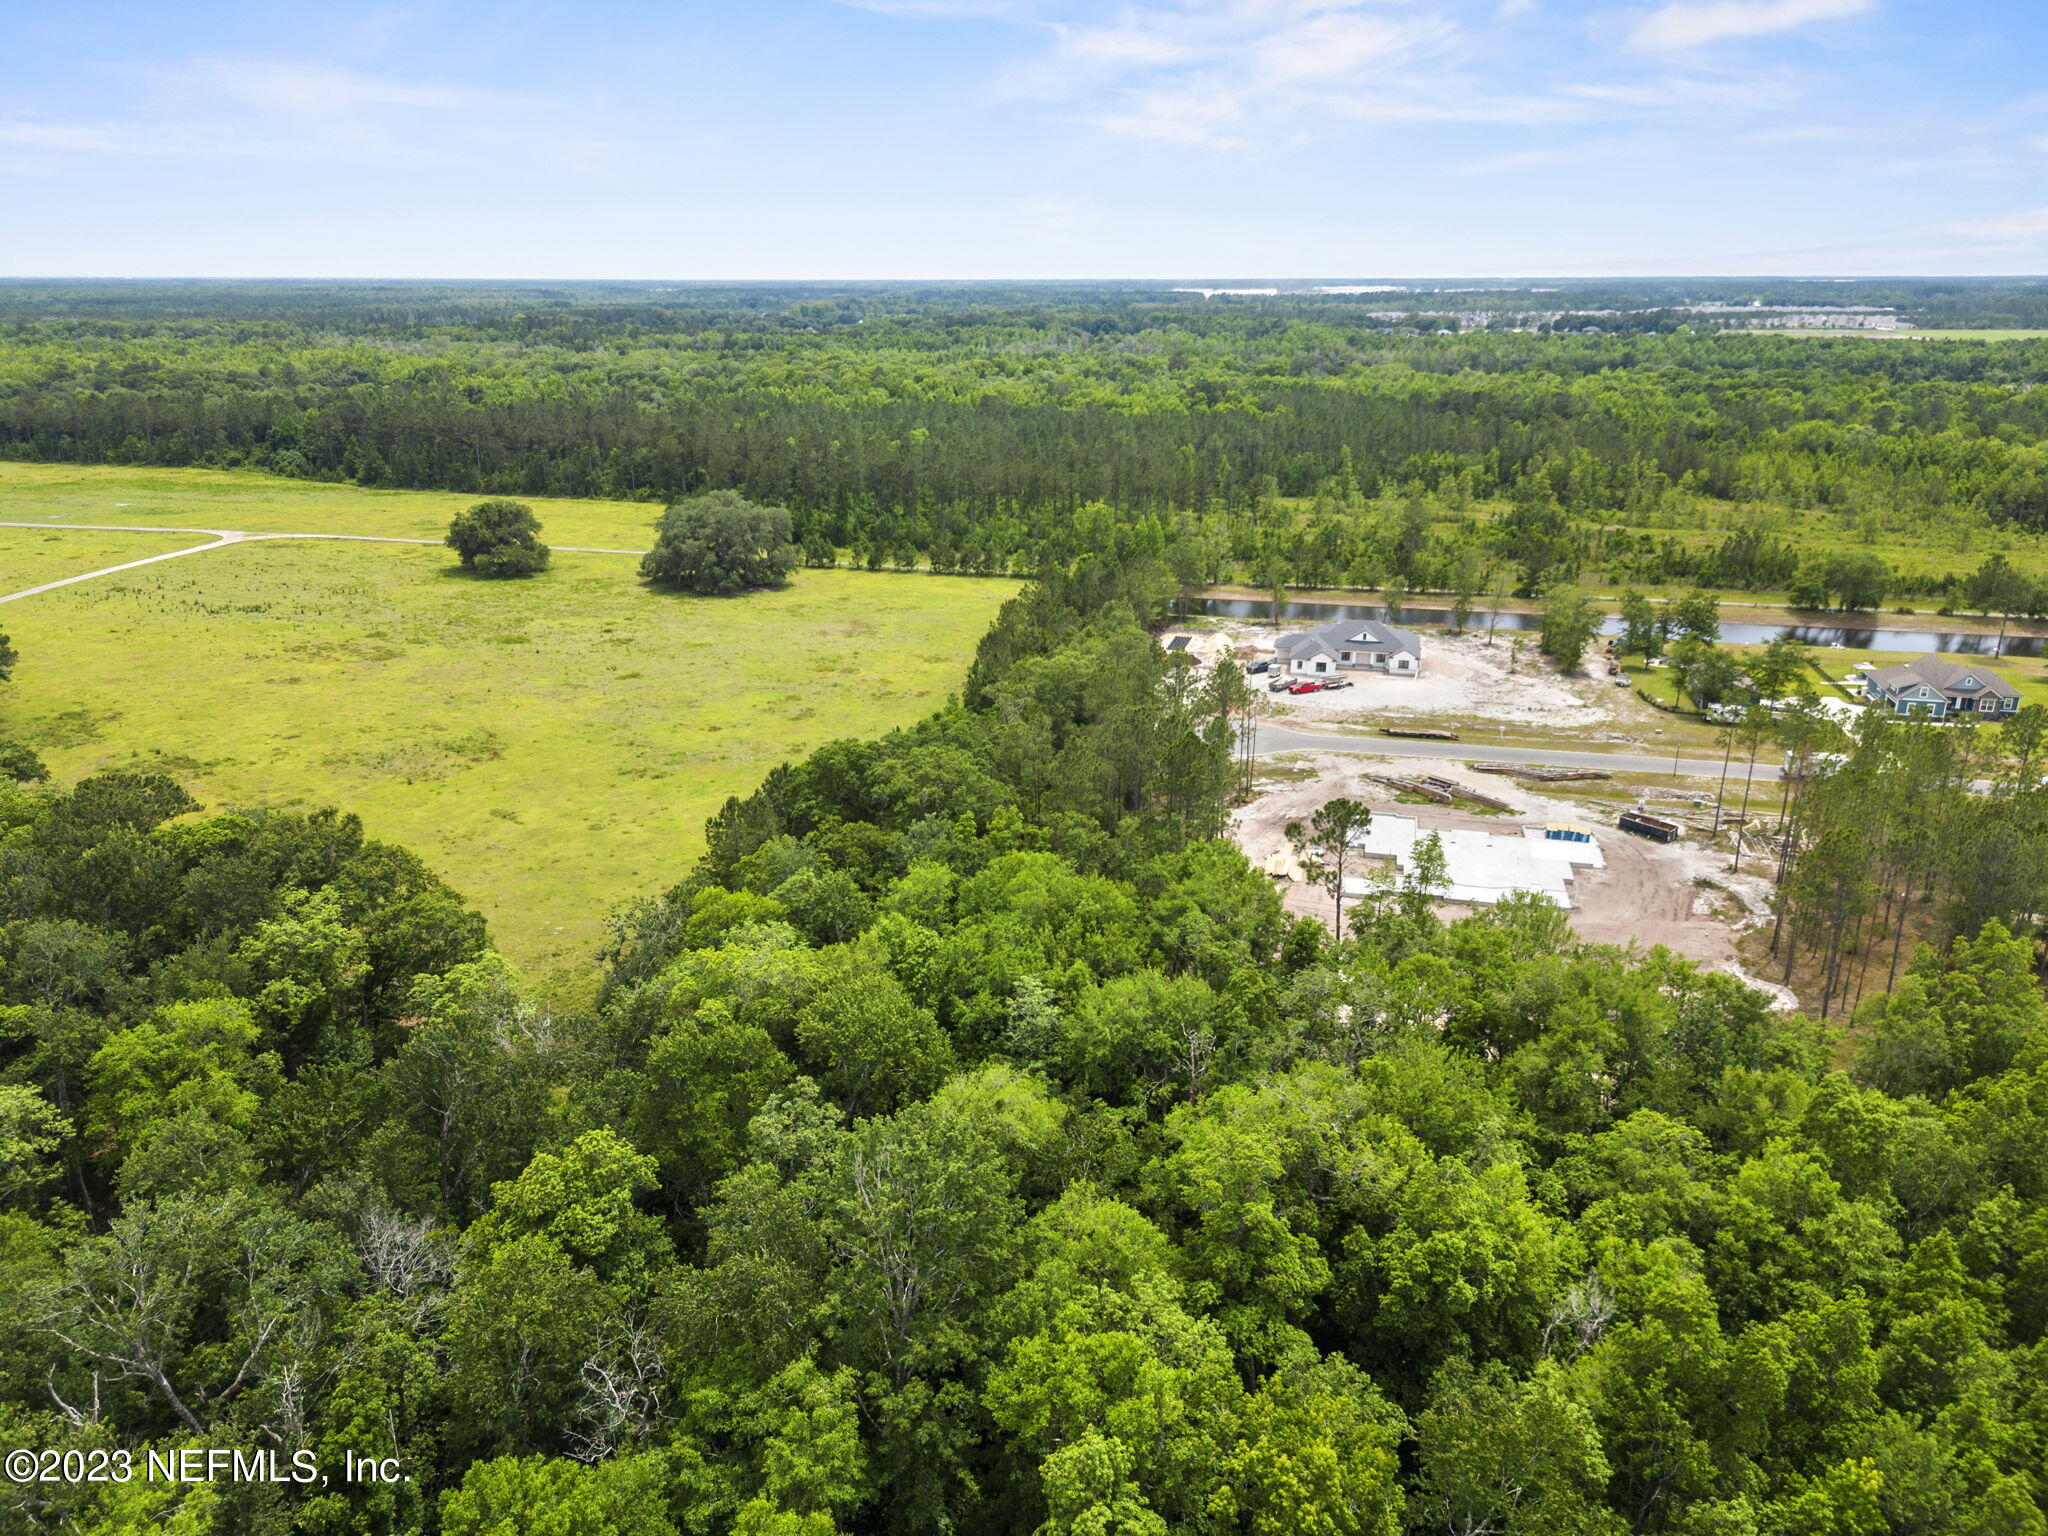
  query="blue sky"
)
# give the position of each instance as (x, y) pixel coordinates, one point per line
(1023, 138)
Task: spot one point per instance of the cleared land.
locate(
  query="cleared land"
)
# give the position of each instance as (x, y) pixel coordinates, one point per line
(1679, 895)
(1910, 333)
(28, 557)
(214, 498)
(551, 746)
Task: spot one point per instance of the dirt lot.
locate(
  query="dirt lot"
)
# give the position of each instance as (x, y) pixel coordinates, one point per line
(1463, 678)
(1646, 895)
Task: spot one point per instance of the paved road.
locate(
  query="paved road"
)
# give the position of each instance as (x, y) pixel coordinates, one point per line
(225, 536)
(1278, 738)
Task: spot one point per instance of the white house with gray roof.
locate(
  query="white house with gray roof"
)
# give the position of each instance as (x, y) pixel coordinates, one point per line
(1350, 645)
(1936, 688)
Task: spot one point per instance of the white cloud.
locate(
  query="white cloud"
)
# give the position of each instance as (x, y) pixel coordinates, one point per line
(1194, 116)
(1120, 46)
(1005, 10)
(2027, 228)
(1339, 45)
(89, 137)
(1260, 74)
(264, 108)
(1811, 133)
(324, 92)
(1681, 95)
(1686, 24)
(1235, 73)
(1459, 101)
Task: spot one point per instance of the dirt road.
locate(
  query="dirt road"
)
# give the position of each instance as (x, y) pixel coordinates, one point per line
(1279, 738)
(221, 538)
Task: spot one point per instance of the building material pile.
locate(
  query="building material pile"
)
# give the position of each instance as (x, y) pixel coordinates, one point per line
(1541, 773)
(1411, 787)
(1457, 791)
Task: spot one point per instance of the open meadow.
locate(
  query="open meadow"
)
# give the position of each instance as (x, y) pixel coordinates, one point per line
(259, 503)
(551, 746)
(29, 557)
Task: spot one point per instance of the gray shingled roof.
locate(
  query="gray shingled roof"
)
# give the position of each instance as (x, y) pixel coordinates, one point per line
(1349, 635)
(1940, 673)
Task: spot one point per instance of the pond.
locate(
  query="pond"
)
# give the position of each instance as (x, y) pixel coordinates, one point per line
(1849, 636)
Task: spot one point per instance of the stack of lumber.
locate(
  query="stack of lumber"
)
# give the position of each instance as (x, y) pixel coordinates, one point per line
(1541, 773)
(1411, 787)
(1457, 791)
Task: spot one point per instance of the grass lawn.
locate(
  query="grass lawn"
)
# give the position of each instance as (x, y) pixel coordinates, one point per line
(550, 746)
(29, 557)
(2029, 674)
(216, 498)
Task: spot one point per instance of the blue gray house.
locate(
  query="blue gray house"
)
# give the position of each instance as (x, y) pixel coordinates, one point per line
(1935, 687)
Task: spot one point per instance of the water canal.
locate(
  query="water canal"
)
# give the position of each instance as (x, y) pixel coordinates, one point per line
(1849, 636)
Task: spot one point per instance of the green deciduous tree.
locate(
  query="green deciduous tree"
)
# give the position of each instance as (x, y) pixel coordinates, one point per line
(1570, 621)
(1642, 630)
(717, 543)
(1498, 1455)
(498, 538)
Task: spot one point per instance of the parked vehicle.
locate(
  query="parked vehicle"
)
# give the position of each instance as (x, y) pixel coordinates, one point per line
(1280, 685)
(1304, 687)
(1656, 828)
(1256, 668)
(1336, 682)
(1815, 765)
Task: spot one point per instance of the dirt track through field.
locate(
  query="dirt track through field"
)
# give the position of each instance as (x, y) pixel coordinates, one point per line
(222, 537)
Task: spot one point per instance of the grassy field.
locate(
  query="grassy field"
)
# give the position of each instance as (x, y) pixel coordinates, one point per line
(29, 557)
(1915, 334)
(213, 498)
(550, 746)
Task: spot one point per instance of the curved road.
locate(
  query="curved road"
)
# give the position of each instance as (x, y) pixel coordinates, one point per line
(222, 537)
(1279, 738)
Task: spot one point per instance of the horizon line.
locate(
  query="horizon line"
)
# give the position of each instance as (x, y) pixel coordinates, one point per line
(1206, 279)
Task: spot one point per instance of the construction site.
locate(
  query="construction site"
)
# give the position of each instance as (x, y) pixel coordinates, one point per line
(1501, 835)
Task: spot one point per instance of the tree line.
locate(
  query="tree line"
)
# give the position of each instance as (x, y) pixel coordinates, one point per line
(973, 431)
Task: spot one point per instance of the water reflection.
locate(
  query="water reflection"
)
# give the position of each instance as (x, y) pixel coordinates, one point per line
(1849, 637)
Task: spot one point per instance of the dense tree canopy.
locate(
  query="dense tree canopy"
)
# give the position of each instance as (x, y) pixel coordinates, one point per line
(970, 1142)
(718, 543)
(499, 538)
(969, 428)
